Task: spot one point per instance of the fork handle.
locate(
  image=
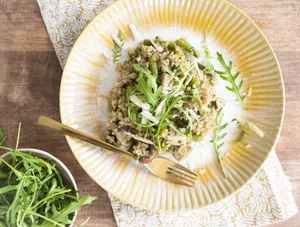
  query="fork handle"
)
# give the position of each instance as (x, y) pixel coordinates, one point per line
(66, 130)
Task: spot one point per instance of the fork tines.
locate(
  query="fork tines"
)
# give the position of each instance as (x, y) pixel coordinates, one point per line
(181, 175)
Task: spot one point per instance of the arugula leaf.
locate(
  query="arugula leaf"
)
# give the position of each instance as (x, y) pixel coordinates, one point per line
(228, 76)
(243, 128)
(117, 50)
(62, 216)
(2, 137)
(207, 52)
(32, 192)
(217, 138)
(147, 85)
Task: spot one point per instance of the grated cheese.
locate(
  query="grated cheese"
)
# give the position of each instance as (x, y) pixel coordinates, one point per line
(255, 129)
(166, 70)
(176, 138)
(160, 108)
(182, 130)
(193, 114)
(144, 120)
(117, 40)
(149, 116)
(179, 93)
(249, 93)
(139, 138)
(200, 74)
(188, 80)
(135, 32)
(105, 55)
(158, 48)
(140, 103)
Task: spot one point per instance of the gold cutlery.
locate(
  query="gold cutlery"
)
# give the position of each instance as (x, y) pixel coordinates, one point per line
(161, 167)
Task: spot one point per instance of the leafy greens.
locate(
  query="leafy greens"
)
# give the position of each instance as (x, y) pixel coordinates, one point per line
(228, 76)
(217, 138)
(148, 91)
(33, 193)
(117, 49)
(243, 128)
(207, 52)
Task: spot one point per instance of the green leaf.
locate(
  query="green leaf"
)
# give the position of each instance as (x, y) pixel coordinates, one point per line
(220, 145)
(228, 76)
(62, 216)
(8, 189)
(243, 130)
(217, 138)
(223, 77)
(32, 192)
(117, 50)
(222, 136)
(207, 52)
(147, 85)
(2, 137)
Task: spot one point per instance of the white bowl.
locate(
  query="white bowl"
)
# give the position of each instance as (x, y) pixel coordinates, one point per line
(63, 170)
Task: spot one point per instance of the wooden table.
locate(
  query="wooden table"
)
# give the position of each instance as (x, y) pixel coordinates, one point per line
(30, 76)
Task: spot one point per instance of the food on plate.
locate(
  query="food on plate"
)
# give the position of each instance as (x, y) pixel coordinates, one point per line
(163, 100)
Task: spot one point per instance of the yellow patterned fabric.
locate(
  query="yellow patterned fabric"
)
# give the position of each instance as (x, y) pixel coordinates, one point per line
(266, 199)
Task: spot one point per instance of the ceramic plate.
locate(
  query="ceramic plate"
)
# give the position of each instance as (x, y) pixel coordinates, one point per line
(89, 76)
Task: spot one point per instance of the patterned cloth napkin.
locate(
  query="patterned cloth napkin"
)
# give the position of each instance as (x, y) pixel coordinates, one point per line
(266, 199)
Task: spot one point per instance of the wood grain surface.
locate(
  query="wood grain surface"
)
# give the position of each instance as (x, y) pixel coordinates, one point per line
(30, 77)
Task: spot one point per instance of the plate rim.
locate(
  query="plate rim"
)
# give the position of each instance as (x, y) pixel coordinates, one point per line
(254, 172)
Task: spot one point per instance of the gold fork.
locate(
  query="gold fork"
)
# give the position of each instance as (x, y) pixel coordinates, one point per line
(161, 167)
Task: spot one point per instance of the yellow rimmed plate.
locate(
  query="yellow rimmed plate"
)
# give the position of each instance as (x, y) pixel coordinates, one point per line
(88, 77)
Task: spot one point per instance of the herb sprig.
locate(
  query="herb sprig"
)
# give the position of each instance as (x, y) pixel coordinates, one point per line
(217, 138)
(148, 91)
(147, 86)
(243, 128)
(207, 52)
(33, 193)
(117, 49)
(228, 76)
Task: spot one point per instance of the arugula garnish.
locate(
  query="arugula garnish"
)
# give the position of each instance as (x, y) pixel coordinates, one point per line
(2, 137)
(217, 138)
(147, 85)
(117, 49)
(172, 114)
(33, 193)
(243, 128)
(229, 77)
(207, 52)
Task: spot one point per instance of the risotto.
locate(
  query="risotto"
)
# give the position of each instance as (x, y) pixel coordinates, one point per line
(163, 100)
